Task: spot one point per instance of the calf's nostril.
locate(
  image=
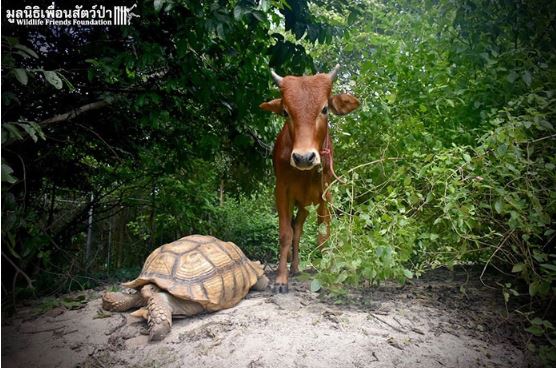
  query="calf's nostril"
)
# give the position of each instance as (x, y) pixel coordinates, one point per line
(297, 158)
(311, 157)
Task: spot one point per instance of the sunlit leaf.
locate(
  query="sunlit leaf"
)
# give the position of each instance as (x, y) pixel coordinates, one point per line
(315, 285)
(53, 78)
(21, 76)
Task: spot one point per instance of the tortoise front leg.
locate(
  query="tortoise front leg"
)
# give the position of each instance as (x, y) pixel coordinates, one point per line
(159, 316)
(120, 302)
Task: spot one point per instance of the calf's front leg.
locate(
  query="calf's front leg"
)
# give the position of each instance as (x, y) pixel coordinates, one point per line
(286, 236)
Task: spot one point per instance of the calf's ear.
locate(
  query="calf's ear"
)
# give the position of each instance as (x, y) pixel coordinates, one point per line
(274, 106)
(342, 104)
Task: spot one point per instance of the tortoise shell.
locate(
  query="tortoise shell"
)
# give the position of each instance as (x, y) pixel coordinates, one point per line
(202, 269)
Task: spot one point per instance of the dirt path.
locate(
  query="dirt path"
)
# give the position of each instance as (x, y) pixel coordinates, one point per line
(430, 323)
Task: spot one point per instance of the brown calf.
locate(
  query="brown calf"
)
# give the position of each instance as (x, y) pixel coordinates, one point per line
(302, 158)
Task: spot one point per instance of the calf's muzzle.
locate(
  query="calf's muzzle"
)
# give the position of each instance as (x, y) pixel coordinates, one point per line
(305, 160)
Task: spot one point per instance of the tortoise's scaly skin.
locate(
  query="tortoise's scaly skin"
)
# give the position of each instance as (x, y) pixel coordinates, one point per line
(196, 273)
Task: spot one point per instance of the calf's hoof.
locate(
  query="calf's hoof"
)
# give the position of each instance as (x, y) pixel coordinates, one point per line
(280, 288)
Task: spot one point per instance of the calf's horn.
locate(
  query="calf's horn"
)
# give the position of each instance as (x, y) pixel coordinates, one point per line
(334, 72)
(276, 77)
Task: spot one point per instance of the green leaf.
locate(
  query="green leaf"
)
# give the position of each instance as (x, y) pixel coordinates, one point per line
(264, 5)
(38, 129)
(12, 129)
(7, 174)
(22, 54)
(466, 157)
(30, 130)
(518, 267)
(68, 83)
(536, 321)
(546, 124)
(27, 50)
(53, 78)
(258, 15)
(512, 76)
(407, 273)
(158, 5)
(548, 266)
(238, 12)
(21, 76)
(220, 30)
(535, 330)
(391, 98)
(533, 288)
(498, 206)
(527, 78)
(315, 285)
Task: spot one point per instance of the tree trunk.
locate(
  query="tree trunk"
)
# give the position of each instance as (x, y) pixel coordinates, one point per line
(88, 247)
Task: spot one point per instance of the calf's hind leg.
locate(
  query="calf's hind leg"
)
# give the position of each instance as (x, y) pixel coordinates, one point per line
(297, 231)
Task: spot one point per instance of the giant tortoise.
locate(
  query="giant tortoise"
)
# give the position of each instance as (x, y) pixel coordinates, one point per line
(192, 275)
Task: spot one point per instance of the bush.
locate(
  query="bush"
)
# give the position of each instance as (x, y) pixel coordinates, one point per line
(250, 222)
(493, 203)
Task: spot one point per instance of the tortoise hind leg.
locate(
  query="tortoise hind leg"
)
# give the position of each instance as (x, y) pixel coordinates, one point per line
(261, 284)
(120, 302)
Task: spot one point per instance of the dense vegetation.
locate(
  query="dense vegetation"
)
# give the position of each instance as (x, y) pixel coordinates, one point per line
(450, 159)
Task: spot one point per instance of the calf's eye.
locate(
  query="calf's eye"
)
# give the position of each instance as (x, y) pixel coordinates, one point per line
(325, 110)
(285, 113)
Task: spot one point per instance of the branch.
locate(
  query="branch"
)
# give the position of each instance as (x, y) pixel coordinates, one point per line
(19, 271)
(103, 141)
(73, 113)
(538, 139)
(267, 148)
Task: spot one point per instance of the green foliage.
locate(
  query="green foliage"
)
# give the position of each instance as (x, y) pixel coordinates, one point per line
(140, 129)
(451, 157)
(250, 222)
(494, 202)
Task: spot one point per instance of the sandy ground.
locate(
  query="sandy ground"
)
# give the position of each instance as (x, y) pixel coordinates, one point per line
(431, 322)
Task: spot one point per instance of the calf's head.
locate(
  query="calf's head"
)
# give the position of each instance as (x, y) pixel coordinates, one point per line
(305, 103)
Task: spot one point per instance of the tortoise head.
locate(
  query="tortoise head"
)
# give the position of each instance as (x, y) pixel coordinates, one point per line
(262, 280)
